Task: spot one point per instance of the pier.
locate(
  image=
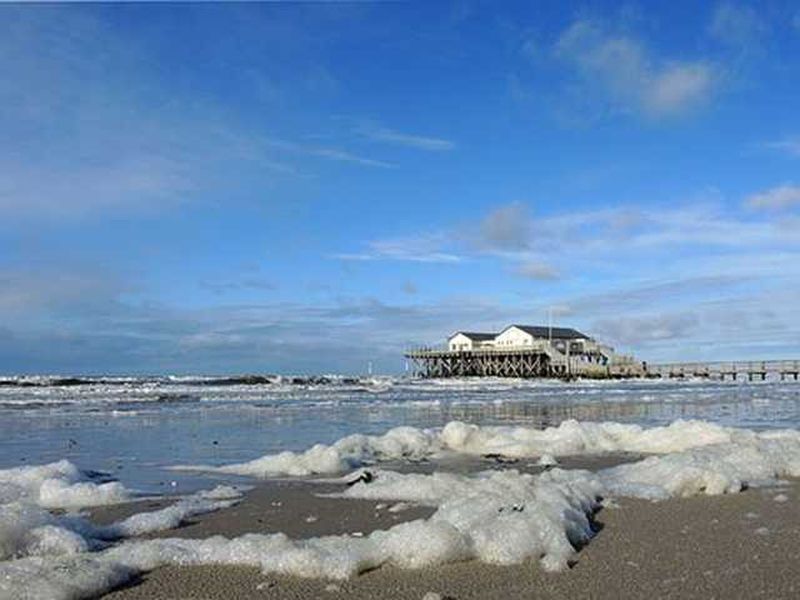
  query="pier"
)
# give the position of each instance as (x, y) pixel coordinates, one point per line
(757, 370)
(531, 351)
(538, 360)
(542, 361)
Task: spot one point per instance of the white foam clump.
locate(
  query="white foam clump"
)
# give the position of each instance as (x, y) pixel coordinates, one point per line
(569, 438)
(502, 518)
(29, 530)
(347, 453)
(26, 529)
(749, 459)
(573, 438)
(57, 485)
(547, 460)
(60, 578)
(202, 502)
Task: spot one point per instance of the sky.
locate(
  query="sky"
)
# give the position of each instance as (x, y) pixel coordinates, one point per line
(313, 187)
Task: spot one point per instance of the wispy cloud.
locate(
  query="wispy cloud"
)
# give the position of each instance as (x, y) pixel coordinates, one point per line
(392, 136)
(97, 132)
(330, 153)
(788, 145)
(422, 249)
(238, 285)
(530, 246)
(629, 75)
(777, 198)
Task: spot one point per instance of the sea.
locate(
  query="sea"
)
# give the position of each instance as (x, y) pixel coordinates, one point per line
(135, 428)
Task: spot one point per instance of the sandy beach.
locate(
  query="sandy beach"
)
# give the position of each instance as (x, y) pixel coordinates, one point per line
(729, 546)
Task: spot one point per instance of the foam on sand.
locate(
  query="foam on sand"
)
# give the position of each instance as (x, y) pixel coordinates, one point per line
(750, 459)
(29, 530)
(569, 438)
(172, 516)
(61, 578)
(346, 454)
(58, 485)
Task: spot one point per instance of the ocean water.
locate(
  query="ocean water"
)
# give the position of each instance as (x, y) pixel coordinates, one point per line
(133, 428)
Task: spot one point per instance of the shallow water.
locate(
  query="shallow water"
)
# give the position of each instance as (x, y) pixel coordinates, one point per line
(133, 428)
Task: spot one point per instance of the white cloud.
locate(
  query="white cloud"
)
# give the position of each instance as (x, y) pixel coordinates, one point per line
(777, 198)
(630, 76)
(392, 136)
(677, 87)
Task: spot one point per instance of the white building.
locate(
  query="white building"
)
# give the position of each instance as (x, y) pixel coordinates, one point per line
(470, 340)
(520, 336)
(565, 342)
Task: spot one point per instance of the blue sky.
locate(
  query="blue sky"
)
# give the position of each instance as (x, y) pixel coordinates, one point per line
(306, 187)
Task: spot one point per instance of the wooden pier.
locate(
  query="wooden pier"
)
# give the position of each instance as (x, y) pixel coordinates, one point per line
(757, 370)
(542, 360)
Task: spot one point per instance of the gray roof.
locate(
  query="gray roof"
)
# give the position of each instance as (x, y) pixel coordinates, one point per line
(475, 336)
(558, 333)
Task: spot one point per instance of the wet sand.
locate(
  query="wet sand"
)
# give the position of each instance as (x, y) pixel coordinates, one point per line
(733, 546)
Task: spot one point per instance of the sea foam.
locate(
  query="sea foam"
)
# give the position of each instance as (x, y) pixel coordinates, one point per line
(569, 438)
(58, 485)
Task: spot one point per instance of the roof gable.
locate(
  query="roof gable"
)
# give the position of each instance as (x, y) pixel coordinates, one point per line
(475, 336)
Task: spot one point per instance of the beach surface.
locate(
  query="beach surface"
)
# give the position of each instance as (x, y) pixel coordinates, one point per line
(740, 545)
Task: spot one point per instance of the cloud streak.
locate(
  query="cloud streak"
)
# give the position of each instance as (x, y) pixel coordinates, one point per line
(392, 136)
(330, 153)
(422, 249)
(789, 146)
